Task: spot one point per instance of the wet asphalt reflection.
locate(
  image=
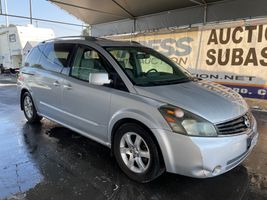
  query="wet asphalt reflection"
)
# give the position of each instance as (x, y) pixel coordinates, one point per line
(48, 161)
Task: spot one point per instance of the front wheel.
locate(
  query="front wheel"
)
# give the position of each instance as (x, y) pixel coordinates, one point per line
(137, 153)
(29, 109)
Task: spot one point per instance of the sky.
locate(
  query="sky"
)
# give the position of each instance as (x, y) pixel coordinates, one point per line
(45, 10)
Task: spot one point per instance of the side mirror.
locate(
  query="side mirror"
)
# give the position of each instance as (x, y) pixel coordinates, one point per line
(99, 78)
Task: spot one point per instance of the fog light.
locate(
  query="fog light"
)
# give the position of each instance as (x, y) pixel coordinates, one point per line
(217, 170)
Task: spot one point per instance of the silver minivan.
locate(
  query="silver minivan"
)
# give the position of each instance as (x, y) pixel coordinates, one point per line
(152, 113)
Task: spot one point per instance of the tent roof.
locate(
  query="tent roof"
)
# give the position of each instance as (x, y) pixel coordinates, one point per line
(96, 12)
(109, 17)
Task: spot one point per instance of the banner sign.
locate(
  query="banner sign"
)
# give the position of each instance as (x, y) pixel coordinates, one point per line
(232, 56)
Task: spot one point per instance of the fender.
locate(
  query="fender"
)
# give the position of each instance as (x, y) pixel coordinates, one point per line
(137, 115)
(24, 87)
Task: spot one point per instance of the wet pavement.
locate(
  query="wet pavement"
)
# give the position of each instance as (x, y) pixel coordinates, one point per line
(48, 161)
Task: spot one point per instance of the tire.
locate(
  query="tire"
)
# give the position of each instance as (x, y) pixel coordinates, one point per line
(29, 109)
(136, 153)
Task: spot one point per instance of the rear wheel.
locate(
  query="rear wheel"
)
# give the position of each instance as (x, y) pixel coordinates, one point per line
(137, 153)
(29, 109)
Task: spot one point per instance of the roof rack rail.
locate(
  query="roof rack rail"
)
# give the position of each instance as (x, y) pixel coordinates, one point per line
(89, 38)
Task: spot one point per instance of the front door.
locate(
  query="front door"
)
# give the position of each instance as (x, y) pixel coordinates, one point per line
(86, 107)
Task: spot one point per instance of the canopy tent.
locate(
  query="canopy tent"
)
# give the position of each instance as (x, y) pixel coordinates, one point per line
(109, 17)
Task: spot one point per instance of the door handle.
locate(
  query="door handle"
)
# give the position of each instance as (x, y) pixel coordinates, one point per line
(56, 83)
(28, 73)
(68, 86)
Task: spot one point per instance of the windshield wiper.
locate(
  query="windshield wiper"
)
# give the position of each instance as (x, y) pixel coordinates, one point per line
(195, 78)
(165, 82)
(174, 81)
(147, 84)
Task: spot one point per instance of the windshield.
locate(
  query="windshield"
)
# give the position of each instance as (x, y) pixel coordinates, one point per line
(146, 67)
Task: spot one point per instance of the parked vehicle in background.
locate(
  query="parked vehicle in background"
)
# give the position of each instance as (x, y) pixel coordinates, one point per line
(153, 115)
(17, 41)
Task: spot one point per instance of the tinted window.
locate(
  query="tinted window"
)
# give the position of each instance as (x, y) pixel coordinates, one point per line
(33, 57)
(87, 61)
(55, 56)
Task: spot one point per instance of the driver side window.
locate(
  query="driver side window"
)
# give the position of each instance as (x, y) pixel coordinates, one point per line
(126, 61)
(87, 61)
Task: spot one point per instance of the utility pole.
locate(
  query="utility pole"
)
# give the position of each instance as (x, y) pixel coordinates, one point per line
(7, 23)
(30, 2)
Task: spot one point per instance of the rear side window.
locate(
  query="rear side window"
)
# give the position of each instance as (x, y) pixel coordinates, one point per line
(33, 57)
(55, 56)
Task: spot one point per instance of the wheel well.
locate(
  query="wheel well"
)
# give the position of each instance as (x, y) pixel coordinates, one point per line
(21, 95)
(119, 123)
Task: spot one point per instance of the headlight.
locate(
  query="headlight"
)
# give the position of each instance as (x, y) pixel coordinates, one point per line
(186, 123)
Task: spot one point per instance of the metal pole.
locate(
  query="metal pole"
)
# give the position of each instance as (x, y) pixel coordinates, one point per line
(134, 26)
(30, 2)
(1, 7)
(7, 23)
(205, 14)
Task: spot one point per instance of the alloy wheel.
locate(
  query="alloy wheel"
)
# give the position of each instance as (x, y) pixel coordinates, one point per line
(28, 107)
(135, 152)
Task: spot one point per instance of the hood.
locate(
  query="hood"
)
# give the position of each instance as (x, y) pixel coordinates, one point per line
(211, 101)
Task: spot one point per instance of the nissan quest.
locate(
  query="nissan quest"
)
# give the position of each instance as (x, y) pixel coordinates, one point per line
(153, 115)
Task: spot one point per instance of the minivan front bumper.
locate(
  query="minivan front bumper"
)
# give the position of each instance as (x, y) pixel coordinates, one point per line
(203, 157)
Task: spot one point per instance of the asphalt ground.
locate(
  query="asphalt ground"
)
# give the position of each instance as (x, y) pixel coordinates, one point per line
(48, 161)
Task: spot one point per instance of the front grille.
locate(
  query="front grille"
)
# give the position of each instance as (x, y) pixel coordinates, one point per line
(235, 126)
